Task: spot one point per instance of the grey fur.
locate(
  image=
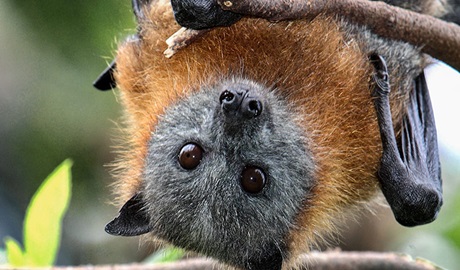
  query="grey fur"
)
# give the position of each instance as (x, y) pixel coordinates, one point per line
(205, 209)
(405, 62)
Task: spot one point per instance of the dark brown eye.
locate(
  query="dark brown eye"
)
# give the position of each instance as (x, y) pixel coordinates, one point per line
(190, 156)
(253, 179)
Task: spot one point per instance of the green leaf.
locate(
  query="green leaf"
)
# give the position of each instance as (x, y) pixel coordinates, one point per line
(43, 221)
(14, 254)
(170, 254)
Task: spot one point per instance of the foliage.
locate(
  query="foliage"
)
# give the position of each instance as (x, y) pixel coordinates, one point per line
(452, 227)
(51, 51)
(93, 24)
(170, 254)
(43, 220)
(438, 241)
(2, 256)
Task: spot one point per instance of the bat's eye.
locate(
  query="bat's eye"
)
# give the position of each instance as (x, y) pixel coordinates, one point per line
(253, 179)
(190, 156)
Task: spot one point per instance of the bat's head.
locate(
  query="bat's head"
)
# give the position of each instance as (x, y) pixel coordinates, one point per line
(226, 168)
(240, 146)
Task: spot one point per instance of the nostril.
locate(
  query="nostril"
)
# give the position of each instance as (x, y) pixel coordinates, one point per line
(251, 107)
(230, 101)
(255, 107)
(226, 96)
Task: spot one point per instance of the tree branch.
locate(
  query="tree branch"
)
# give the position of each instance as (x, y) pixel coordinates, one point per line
(311, 261)
(437, 38)
(181, 39)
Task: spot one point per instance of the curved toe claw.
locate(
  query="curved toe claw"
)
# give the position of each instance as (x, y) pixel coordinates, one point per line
(381, 77)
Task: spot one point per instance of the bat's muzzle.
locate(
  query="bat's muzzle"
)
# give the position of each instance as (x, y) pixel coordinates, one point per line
(240, 102)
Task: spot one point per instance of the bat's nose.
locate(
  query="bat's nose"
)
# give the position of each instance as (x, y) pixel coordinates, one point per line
(251, 107)
(240, 102)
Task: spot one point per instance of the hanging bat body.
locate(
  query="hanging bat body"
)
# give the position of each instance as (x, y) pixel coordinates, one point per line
(254, 142)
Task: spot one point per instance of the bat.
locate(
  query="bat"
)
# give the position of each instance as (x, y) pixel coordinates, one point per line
(254, 142)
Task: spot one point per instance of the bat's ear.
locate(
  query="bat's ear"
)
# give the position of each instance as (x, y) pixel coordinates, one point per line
(132, 219)
(106, 81)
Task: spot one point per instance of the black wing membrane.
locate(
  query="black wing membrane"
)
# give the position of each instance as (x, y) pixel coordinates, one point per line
(409, 174)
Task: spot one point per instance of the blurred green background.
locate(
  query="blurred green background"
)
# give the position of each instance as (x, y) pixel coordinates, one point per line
(50, 52)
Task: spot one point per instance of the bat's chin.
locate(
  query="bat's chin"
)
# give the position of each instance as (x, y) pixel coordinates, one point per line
(270, 258)
(254, 257)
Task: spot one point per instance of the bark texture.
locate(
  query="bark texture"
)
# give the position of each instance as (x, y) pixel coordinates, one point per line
(312, 261)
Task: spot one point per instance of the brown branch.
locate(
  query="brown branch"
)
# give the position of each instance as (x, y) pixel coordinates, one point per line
(437, 38)
(312, 261)
(362, 260)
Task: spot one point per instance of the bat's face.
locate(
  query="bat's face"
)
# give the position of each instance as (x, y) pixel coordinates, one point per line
(236, 169)
(225, 165)
(227, 168)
